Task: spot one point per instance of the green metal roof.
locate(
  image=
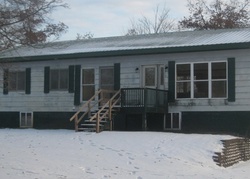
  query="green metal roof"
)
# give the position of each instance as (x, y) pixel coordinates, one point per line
(172, 42)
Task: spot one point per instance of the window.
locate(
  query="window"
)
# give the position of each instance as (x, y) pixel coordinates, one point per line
(17, 81)
(173, 121)
(26, 119)
(162, 72)
(150, 76)
(201, 80)
(219, 80)
(59, 79)
(88, 84)
(183, 86)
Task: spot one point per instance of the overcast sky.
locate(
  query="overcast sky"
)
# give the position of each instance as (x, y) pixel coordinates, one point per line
(106, 18)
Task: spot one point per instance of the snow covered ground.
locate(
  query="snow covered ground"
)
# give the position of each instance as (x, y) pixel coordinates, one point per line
(64, 154)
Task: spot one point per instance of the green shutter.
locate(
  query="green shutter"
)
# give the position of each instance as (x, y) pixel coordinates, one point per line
(231, 79)
(77, 85)
(5, 81)
(28, 81)
(71, 78)
(117, 69)
(46, 79)
(171, 81)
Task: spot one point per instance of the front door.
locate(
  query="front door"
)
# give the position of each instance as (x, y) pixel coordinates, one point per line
(153, 76)
(107, 78)
(106, 82)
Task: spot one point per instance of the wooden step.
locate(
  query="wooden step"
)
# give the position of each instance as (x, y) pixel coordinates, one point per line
(90, 125)
(94, 121)
(83, 129)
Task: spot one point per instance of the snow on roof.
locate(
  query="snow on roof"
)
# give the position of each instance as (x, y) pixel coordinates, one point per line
(152, 41)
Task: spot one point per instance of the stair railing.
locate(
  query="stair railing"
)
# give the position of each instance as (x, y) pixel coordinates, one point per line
(90, 104)
(110, 105)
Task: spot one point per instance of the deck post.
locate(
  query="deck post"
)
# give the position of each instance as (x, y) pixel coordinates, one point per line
(144, 113)
(89, 111)
(110, 125)
(76, 123)
(144, 121)
(110, 115)
(164, 121)
(98, 123)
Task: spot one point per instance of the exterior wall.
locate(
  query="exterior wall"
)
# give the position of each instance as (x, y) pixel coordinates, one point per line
(9, 119)
(52, 120)
(230, 122)
(63, 101)
(37, 100)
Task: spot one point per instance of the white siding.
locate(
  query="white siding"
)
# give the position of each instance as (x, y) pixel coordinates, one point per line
(64, 101)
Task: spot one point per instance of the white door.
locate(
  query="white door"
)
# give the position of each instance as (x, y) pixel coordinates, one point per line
(153, 76)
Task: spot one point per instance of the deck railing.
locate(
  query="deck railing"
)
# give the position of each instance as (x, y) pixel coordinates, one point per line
(145, 98)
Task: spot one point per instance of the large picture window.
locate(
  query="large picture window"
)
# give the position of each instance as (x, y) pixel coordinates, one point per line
(59, 79)
(201, 80)
(17, 81)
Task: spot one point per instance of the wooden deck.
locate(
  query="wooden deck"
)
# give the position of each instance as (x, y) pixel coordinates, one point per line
(144, 100)
(102, 106)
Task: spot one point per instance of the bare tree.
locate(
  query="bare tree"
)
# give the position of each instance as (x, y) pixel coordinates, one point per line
(217, 15)
(26, 22)
(87, 35)
(158, 24)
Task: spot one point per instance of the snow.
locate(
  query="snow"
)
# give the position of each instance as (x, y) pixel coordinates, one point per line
(64, 154)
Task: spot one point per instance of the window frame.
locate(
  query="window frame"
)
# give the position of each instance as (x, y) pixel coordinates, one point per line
(172, 121)
(17, 81)
(155, 76)
(26, 119)
(59, 71)
(210, 80)
(183, 81)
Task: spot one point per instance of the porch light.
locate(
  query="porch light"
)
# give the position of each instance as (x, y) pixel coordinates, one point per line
(137, 70)
(166, 68)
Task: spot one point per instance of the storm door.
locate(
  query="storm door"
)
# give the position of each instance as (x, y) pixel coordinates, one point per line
(107, 78)
(153, 76)
(106, 82)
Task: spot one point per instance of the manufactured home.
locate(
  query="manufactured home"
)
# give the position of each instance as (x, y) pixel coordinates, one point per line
(191, 81)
